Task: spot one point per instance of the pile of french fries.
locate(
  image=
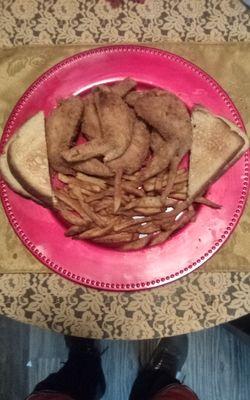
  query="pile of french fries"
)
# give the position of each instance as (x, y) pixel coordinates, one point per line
(124, 212)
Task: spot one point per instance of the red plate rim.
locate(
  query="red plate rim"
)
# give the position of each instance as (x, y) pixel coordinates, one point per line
(130, 286)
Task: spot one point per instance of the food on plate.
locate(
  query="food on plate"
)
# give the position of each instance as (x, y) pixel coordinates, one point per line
(61, 130)
(92, 166)
(166, 113)
(28, 160)
(121, 88)
(90, 121)
(7, 174)
(163, 153)
(116, 126)
(216, 145)
(133, 158)
(116, 160)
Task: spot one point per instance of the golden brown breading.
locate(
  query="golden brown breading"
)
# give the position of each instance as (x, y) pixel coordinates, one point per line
(168, 115)
(116, 125)
(90, 121)
(162, 154)
(61, 129)
(135, 155)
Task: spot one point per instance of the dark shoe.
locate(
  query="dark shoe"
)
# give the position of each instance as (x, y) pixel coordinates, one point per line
(169, 355)
(166, 360)
(81, 377)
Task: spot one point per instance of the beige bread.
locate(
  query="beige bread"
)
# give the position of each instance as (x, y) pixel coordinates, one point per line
(216, 145)
(7, 174)
(28, 160)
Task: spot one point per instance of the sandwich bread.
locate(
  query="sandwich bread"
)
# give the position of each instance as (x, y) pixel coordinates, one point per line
(28, 161)
(216, 145)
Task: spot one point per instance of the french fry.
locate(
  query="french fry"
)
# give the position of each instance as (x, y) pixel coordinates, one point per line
(147, 228)
(116, 238)
(150, 202)
(91, 179)
(75, 230)
(207, 202)
(179, 188)
(163, 236)
(160, 237)
(104, 204)
(149, 184)
(159, 183)
(99, 221)
(95, 232)
(128, 223)
(136, 244)
(170, 215)
(87, 185)
(127, 187)
(178, 196)
(101, 195)
(74, 204)
(72, 218)
(85, 192)
(64, 178)
(126, 213)
(171, 178)
(134, 177)
(118, 190)
(61, 206)
(145, 202)
(125, 199)
(181, 178)
(181, 171)
(148, 211)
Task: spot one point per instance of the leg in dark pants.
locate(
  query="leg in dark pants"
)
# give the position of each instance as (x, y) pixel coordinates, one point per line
(156, 381)
(81, 377)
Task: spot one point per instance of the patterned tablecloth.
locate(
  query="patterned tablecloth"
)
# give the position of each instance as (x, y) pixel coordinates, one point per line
(198, 301)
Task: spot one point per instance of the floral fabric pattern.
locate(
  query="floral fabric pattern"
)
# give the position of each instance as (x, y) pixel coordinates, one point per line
(97, 21)
(195, 302)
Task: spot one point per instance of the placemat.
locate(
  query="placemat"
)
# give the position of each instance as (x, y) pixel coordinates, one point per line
(229, 64)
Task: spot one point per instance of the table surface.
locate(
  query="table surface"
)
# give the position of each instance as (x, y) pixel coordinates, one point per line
(198, 301)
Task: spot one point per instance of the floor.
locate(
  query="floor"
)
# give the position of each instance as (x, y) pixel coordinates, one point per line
(217, 366)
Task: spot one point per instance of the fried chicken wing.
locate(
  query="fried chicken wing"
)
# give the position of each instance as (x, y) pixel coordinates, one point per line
(163, 153)
(133, 97)
(93, 167)
(123, 87)
(61, 129)
(168, 115)
(135, 155)
(90, 121)
(116, 126)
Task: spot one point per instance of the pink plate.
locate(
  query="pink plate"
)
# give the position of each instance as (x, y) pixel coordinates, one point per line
(85, 263)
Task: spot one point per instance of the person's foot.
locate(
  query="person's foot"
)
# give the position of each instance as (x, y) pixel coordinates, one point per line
(81, 376)
(166, 360)
(78, 345)
(169, 355)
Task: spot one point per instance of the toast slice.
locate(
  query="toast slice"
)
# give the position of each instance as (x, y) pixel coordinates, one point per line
(8, 176)
(28, 159)
(217, 144)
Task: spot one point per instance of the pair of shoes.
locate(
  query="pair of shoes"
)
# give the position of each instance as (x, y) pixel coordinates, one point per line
(166, 360)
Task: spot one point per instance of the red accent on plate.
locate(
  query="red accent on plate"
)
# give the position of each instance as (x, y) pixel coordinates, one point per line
(85, 263)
